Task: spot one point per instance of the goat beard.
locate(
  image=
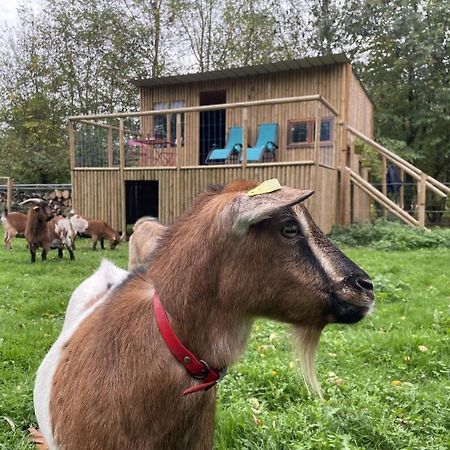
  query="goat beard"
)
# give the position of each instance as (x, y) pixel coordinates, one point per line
(306, 341)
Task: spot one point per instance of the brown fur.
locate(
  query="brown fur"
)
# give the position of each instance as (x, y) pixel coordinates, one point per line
(100, 230)
(143, 241)
(36, 231)
(118, 386)
(14, 224)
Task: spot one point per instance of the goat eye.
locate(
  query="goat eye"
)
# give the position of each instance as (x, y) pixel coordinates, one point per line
(290, 231)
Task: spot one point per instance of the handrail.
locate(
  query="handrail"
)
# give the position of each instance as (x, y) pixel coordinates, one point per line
(379, 197)
(433, 184)
(273, 101)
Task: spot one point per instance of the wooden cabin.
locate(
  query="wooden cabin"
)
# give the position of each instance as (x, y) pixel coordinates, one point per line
(154, 161)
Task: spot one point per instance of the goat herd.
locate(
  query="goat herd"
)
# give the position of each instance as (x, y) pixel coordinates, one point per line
(140, 352)
(42, 230)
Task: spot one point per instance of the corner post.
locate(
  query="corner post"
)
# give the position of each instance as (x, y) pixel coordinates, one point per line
(244, 140)
(177, 206)
(123, 217)
(316, 175)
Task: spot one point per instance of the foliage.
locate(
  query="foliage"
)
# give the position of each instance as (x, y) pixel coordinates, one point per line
(79, 56)
(385, 379)
(383, 235)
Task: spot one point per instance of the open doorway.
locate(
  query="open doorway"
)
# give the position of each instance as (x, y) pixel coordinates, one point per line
(141, 199)
(212, 123)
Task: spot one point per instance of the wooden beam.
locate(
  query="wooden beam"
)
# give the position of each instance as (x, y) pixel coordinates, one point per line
(71, 132)
(273, 101)
(421, 199)
(123, 217)
(244, 140)
(383, 181)
(9, 189)
(110, 147)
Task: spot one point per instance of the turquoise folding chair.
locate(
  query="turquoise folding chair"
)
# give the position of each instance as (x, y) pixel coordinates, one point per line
(267, 136)
(234, 144)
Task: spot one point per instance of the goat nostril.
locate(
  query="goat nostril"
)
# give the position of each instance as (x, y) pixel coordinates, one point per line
(365, 284)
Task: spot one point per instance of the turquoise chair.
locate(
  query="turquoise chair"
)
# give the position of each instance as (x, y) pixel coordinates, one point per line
(234, 144)
(267, 136)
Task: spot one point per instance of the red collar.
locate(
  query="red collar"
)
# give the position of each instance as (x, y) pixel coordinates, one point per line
(197, 367)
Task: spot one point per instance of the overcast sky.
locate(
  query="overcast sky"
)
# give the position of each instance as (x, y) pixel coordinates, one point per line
(8, 13)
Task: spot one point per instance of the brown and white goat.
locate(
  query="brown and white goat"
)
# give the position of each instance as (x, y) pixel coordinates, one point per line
(145, 237)
(111, 382)
(36, 231)
(62, 235)
(14, 224)
(97, 230)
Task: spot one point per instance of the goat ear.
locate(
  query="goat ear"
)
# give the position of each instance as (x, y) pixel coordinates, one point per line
(251, 210)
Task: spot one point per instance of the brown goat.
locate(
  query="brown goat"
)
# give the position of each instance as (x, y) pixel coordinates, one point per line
(36, 231)
(97, 230)
(143, 241)
(111, 382)
(14, 224)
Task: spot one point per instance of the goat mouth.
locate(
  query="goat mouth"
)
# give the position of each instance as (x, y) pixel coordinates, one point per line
(350, 310)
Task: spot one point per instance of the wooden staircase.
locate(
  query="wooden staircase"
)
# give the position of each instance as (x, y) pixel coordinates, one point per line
(350, 175)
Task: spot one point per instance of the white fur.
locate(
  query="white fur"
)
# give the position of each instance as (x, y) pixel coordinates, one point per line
(104, 279)
(79, 224)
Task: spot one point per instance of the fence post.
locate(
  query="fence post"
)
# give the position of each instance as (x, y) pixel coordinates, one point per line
(123, 216)
(71, 144)
(110, 147)
(244, 140)
(421, 199)
(9, 186)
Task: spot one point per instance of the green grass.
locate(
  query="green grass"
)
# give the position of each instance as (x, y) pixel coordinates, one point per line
(385, 379)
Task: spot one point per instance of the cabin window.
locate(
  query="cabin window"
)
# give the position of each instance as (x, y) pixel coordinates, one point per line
(302, 132)
(160, 121)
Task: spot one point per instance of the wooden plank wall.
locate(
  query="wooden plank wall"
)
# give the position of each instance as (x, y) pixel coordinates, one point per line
(97, 192)
(324, 80)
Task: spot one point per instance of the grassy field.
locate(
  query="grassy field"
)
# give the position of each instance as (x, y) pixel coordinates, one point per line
(386, 380)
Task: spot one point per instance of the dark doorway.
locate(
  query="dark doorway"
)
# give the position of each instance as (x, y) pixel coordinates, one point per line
(141, 199)
(212, 123)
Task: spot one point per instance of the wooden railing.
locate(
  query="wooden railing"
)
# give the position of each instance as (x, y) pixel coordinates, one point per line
(423, 180)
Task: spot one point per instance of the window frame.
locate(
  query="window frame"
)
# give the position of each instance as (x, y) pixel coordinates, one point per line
(310, 132)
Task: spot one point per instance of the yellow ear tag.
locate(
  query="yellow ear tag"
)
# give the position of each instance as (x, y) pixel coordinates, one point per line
(265, 187)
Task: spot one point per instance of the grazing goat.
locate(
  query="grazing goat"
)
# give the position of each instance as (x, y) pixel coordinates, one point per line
(116, 380)
(147, 232)
(14, 224)
(62, 235)
(97, 230)
(36, 231)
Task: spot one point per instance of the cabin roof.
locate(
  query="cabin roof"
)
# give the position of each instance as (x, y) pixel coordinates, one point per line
(280, 66)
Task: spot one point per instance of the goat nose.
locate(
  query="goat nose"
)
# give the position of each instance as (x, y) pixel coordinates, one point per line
(365, 284)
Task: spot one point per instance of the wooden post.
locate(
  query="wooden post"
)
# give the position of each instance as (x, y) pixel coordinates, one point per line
(316, 187)
(421, 199)
(345, 188)
(402, 189)
(383, 182)
(123, 217)
(110, 147)
(9, 187)
(177, 206)
(244, 140)
(71, 132)
(169, 131)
